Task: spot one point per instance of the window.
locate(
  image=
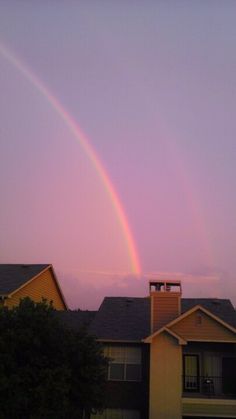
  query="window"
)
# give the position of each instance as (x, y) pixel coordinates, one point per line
(125, 363)
(117, 414)
(191, 372)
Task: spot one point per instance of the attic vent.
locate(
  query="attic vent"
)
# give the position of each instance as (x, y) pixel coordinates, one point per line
(129, 300)
(198, 319)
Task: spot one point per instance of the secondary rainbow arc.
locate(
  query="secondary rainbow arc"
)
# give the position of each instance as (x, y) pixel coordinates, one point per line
(87, 147)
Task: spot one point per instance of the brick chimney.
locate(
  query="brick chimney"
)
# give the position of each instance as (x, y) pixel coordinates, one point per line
(165, 299)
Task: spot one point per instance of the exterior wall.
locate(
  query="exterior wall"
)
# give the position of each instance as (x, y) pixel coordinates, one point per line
(199, 326)
(165, 378)
(131, 395)
(165, 306)
(213, 408)
(43, 286)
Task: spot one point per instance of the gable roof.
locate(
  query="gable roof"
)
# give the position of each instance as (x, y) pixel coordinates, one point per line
(128, 319)
(204, 310)
(221, 308)
(170, 332)
(14, 276)
(186, 314)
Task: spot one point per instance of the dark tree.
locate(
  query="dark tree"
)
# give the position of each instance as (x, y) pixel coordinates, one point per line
(47, 371)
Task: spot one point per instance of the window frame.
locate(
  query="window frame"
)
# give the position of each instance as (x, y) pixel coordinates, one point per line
(125, 362)
(197, 388)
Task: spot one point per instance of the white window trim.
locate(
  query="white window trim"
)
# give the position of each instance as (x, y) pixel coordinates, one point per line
(127, 361)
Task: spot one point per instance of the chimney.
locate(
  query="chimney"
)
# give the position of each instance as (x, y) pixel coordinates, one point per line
(165, 299)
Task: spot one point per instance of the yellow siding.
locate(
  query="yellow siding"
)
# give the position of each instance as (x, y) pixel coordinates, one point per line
(165, 307)
(208, 330)
(165, 378)
(212, 408)
(43, 286)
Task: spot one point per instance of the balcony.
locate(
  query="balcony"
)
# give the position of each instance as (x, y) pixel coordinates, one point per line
(209, 396)
(209, 387)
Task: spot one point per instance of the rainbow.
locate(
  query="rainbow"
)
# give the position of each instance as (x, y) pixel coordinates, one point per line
(88, 149)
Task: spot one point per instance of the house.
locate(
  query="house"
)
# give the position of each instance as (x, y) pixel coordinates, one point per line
(34, 281)
(170, 357)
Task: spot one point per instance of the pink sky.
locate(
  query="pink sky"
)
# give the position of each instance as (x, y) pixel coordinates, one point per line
(153, 89)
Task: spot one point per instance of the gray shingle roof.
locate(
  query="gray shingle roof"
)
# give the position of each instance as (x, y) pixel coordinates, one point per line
(122, 318)
(219, 307)
(128, 319)
(76, 319)
(14, 276)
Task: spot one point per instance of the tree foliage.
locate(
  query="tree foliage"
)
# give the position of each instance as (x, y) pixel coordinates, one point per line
(47, 371)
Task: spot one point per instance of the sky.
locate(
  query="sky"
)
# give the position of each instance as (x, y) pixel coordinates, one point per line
(117, 144)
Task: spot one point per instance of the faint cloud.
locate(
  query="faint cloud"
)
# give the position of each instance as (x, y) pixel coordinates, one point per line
(87, 289)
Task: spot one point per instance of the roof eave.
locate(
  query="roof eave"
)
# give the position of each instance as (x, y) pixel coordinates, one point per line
(49, 266)
(119, 340)
(204, 310)
(164, 329)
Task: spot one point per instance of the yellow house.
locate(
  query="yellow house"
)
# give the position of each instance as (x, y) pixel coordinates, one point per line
(192, 358)
(170, 357)
(34, 281)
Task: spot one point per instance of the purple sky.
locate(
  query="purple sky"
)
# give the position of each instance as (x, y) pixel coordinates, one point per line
(153, 86)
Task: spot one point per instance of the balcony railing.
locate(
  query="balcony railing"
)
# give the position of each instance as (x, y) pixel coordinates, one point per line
(212, 386)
